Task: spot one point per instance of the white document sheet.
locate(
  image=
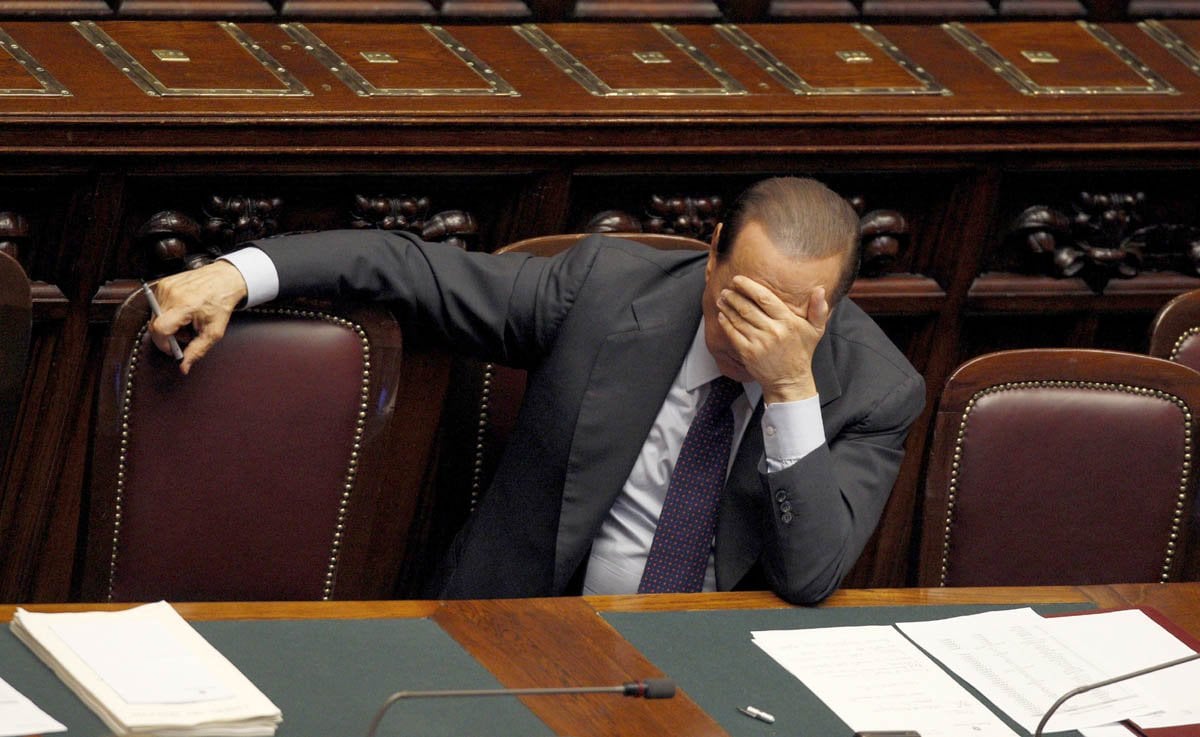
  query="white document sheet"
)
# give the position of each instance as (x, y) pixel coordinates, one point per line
(1128, 640)
(20, 717)
(1016, 662)
(875, 679)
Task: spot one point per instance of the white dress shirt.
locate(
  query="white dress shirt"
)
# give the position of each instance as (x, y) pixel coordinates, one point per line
(262, 280)
(791, 430)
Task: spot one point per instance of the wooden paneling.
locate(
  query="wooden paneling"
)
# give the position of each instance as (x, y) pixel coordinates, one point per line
(503, 11)
(194, 9)
(1042, 8)
(807, 10)
(648, 9)
(54, 8)
(877, 9)
(357, 9)
(1051, 203)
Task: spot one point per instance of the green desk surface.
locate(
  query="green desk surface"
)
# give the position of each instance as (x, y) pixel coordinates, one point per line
(711, 657)
(328, 677)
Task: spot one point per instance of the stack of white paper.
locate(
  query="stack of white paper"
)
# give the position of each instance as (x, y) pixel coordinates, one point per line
(145, 670)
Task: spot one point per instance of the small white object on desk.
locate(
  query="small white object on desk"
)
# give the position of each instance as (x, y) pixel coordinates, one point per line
(759, 714)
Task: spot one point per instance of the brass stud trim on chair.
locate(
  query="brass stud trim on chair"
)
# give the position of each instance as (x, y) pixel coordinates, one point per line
(485, 400)
(1174, 356)
(330, 579)
(1185, 474)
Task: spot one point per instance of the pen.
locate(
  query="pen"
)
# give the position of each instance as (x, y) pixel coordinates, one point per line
(175, 350)
(758, 714)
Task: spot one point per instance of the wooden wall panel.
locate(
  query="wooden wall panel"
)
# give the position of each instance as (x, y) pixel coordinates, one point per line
(55, 8)
(475, 129)
(194, 9)
(501, 11)
(375, 10)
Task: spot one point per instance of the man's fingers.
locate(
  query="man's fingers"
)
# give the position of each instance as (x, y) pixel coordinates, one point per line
(747, 310)
(167, 324)
(734, 319)
(729, 323)
(205, 339)
(194, 352)
(762, 296)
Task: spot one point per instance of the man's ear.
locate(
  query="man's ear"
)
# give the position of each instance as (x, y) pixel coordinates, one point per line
(712, 252)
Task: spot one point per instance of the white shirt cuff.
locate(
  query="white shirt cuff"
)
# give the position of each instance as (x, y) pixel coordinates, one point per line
(791, 430)
(262, 280)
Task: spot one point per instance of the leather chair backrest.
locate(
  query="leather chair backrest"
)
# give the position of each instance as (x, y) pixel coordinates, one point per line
(261, 475)
(1054, 466)
(16, 310)
(1175, 336)
(1175, 333)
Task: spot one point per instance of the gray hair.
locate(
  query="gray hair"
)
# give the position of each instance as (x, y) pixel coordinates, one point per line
(803, 218)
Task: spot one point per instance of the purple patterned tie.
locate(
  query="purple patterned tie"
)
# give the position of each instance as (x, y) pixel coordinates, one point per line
(679, 553)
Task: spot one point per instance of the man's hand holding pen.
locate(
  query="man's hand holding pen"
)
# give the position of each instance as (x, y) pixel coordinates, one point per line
(205, 299)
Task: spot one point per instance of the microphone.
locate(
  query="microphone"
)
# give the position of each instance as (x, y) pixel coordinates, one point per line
(648, 688)
(1108, 682)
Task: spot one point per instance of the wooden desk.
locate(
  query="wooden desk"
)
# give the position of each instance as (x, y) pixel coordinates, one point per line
(546, 642)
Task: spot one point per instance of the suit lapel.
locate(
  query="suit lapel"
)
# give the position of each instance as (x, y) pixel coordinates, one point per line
(633, 371)
(824, 374)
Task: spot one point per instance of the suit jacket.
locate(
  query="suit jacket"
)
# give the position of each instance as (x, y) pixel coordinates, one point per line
(602, 330)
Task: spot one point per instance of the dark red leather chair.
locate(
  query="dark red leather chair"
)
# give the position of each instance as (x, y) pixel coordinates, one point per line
(1175, 334)
(16, 310)
(268, 473)
(1057, 466)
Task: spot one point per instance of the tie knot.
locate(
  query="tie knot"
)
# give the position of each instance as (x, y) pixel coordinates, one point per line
(722, 391)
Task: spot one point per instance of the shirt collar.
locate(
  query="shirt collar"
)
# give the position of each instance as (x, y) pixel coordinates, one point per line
(699, 368)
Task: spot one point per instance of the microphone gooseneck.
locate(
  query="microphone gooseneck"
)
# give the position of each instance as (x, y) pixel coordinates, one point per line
(649, 688)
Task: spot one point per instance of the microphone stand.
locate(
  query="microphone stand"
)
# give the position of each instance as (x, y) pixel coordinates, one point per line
(651, 688)
(1107, 682)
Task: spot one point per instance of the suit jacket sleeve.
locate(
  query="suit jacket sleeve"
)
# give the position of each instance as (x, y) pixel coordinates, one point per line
(822, 510)
(498, 308)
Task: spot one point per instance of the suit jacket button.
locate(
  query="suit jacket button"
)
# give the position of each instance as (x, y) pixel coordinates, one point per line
(786, 517)
(781, 496)
(786, 507)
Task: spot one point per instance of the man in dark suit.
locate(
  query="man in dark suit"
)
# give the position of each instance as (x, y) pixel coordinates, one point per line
(623, 345)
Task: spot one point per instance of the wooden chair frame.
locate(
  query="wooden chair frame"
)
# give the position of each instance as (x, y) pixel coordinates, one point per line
(16, 315)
